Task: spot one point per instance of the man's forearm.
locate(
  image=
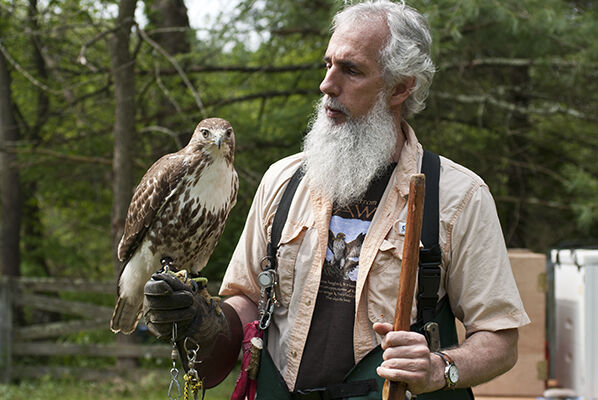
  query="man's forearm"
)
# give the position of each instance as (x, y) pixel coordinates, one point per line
(245, 308)
(480, 358)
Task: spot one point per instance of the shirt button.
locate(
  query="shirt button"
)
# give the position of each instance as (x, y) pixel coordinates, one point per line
(308, 302)
(294, 353)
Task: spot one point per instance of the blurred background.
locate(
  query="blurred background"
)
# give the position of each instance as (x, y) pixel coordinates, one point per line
(93, 92)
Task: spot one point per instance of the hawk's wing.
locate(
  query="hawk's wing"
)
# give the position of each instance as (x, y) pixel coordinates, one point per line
(152, 193)
(354, 246)
(330, 239)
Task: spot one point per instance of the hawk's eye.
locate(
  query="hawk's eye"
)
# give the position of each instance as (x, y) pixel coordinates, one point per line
(205, 132)
(229, 132)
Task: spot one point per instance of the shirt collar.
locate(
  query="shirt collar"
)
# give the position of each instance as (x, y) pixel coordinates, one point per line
(408, 159)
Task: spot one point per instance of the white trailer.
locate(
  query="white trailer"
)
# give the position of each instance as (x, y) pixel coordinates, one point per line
(574, 352)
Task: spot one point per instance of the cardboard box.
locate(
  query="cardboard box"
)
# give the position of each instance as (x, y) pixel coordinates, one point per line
(527, 376)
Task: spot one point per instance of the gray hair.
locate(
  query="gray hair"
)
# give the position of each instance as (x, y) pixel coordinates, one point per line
(407, 52)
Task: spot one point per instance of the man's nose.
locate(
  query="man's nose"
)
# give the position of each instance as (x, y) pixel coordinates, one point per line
(329, 84)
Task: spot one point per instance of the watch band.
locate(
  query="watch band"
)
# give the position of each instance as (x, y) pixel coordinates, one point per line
(445, 357)
(449, 366)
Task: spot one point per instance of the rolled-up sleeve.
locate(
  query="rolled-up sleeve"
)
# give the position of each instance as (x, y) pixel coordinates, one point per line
(480, 282)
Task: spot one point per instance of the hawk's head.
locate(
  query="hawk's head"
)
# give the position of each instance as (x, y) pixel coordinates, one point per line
(216, 136)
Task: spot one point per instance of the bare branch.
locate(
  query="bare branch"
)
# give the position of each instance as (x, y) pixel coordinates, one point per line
(243, 68)
(249, 176)
(26, 74)
(262, 95)
(176, 65)
(67, 157)
(165, 90)
(81, 59)
(60, 156)
(514, 62)
(162, 129)
(533, 167)
(548, 109)
(534, 201)
(304, 31)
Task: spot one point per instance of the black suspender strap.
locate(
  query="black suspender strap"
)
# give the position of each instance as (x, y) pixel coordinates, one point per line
(430, 256)
(282, 212)
(268, 278)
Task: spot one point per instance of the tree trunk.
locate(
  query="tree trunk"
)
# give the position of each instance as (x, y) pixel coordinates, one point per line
(124, 132)
(124, 121)
(33, 230)
(170, 17)
(10, 189)
(171, 23)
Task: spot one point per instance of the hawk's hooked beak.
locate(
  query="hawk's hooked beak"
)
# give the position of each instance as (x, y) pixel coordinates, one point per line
(218, 141)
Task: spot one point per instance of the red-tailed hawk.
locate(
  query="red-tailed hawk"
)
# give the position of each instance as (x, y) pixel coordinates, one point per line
(178, 212)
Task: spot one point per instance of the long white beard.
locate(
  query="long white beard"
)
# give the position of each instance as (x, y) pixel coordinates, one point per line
(342, 159)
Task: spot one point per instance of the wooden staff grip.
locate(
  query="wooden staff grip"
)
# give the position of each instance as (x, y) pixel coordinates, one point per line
(409, 265)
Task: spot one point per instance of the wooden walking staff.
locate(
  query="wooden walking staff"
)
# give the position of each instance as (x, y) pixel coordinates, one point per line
(402, 321)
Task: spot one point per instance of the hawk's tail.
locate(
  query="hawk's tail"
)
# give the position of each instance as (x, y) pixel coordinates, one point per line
(125, 317)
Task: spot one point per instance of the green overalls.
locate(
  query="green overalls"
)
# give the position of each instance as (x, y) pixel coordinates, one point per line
(362, 380)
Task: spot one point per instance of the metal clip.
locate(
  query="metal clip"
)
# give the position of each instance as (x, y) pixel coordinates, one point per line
(192, 381)
(266, 263)
(268, 280)
(432, 334)
(266, 314)
(174, 372)
(191, 356)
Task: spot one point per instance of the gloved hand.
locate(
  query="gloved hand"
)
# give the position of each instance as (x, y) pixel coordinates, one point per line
(197, 314)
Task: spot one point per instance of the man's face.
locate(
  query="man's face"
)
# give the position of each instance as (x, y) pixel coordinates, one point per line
(354, 76)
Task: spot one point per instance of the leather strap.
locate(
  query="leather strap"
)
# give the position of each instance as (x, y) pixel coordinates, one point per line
(338, 391)
(430, 256)
(281, 214)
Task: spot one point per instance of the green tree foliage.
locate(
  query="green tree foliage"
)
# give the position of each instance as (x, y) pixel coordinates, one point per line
(513, 100)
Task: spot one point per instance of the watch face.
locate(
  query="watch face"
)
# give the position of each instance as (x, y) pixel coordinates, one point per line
(453, 373)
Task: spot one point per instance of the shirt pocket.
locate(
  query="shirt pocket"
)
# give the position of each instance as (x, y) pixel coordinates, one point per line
(383, 279)
(290, 242)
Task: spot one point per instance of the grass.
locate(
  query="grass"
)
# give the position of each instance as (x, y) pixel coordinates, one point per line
(150, 387)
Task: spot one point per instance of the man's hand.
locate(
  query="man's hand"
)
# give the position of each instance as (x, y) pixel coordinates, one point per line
(481, 357)
(407, 359)
(198, 315)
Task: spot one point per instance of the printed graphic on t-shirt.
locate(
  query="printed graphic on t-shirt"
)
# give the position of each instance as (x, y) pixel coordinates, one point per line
(341, 265)
(345, 238)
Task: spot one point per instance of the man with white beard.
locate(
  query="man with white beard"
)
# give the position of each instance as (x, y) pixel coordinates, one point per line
(327, 322)
(344, 158)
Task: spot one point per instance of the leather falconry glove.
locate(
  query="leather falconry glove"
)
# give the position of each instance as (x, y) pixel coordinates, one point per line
(214, 326)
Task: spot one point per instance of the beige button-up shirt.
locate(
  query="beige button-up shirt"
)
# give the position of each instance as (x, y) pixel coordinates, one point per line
(475, 270)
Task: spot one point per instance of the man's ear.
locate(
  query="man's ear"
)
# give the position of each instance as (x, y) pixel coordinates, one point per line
(401, 91)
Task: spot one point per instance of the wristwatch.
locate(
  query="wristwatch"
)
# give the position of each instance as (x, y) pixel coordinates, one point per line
(451, 372)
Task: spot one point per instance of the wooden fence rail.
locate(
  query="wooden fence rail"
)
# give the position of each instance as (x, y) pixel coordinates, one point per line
(47, 339)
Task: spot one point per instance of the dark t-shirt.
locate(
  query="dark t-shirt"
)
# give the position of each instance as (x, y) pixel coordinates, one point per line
(328, 354)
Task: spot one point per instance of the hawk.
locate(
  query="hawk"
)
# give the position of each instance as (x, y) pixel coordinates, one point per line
(177, 215)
